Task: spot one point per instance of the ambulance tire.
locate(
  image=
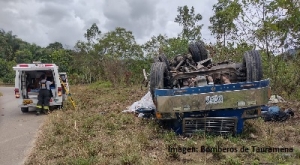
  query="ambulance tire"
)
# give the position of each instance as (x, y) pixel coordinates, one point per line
(24, 110)
(51, 108)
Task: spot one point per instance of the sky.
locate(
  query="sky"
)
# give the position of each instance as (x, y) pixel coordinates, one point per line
(47, 21)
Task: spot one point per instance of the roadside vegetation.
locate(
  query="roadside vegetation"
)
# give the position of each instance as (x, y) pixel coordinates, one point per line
(98, 133)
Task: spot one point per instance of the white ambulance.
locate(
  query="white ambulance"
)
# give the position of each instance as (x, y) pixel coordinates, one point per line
(27, 84)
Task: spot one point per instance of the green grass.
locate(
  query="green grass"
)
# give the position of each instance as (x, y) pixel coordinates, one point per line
(97, 132)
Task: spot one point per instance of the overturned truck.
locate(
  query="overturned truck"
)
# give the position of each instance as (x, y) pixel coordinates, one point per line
(193, 94)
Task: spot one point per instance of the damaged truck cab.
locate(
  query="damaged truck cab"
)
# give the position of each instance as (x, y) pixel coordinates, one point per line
(191, 94)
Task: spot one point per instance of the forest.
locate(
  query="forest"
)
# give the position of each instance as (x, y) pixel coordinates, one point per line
(273, 27)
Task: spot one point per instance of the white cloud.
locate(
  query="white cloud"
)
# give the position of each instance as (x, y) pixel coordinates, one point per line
(43, 22)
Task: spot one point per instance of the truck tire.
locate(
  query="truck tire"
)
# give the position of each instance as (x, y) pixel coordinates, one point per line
(157, 76)
(24, 110)
(156, 59)
(163, 58)
(198, 51)
(252, 63)
(202, 49)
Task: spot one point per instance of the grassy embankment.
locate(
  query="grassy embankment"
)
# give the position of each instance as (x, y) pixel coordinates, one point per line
(98, 133)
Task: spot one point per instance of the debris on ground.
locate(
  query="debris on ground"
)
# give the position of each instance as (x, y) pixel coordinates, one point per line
(143, 106)
(274, 99)
(274, 113)
(253, 136)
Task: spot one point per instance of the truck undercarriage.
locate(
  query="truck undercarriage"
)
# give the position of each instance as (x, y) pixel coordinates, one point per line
(195, 69)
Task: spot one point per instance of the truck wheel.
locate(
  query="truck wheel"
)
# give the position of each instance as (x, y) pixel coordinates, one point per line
(198, 51)
(158, 76)
(163, 58)
(202, 49)
(252, 63)
(24, 110)
(156, 59)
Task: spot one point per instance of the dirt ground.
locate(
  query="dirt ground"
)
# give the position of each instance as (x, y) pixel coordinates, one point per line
(97, 132)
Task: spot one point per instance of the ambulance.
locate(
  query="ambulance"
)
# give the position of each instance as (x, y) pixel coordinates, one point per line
(27, 84)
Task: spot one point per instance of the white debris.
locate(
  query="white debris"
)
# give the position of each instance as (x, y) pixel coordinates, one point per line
(141, 115)
(276, 99)
(145, 102)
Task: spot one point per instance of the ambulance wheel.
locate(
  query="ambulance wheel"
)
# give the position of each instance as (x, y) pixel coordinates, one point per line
(51, 108)
(24, 110)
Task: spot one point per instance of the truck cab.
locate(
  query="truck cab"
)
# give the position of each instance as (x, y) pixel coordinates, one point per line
(27, 84)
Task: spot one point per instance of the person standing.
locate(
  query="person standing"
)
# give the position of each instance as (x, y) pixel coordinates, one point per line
(44, 95)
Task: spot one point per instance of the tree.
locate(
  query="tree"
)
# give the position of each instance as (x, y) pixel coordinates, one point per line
(119, 44)
(155, 45)
(188, 19)
(63, 59)
(92, 36)
(288, 26)
(175, 46)
(7, 74)
(9, 45)
(223, 26)
(55, 46)
(37, 52)
(24, 56)
(168, 46)
(93, 33)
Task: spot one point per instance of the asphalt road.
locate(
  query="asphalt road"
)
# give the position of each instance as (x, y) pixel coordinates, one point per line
(17, 130)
